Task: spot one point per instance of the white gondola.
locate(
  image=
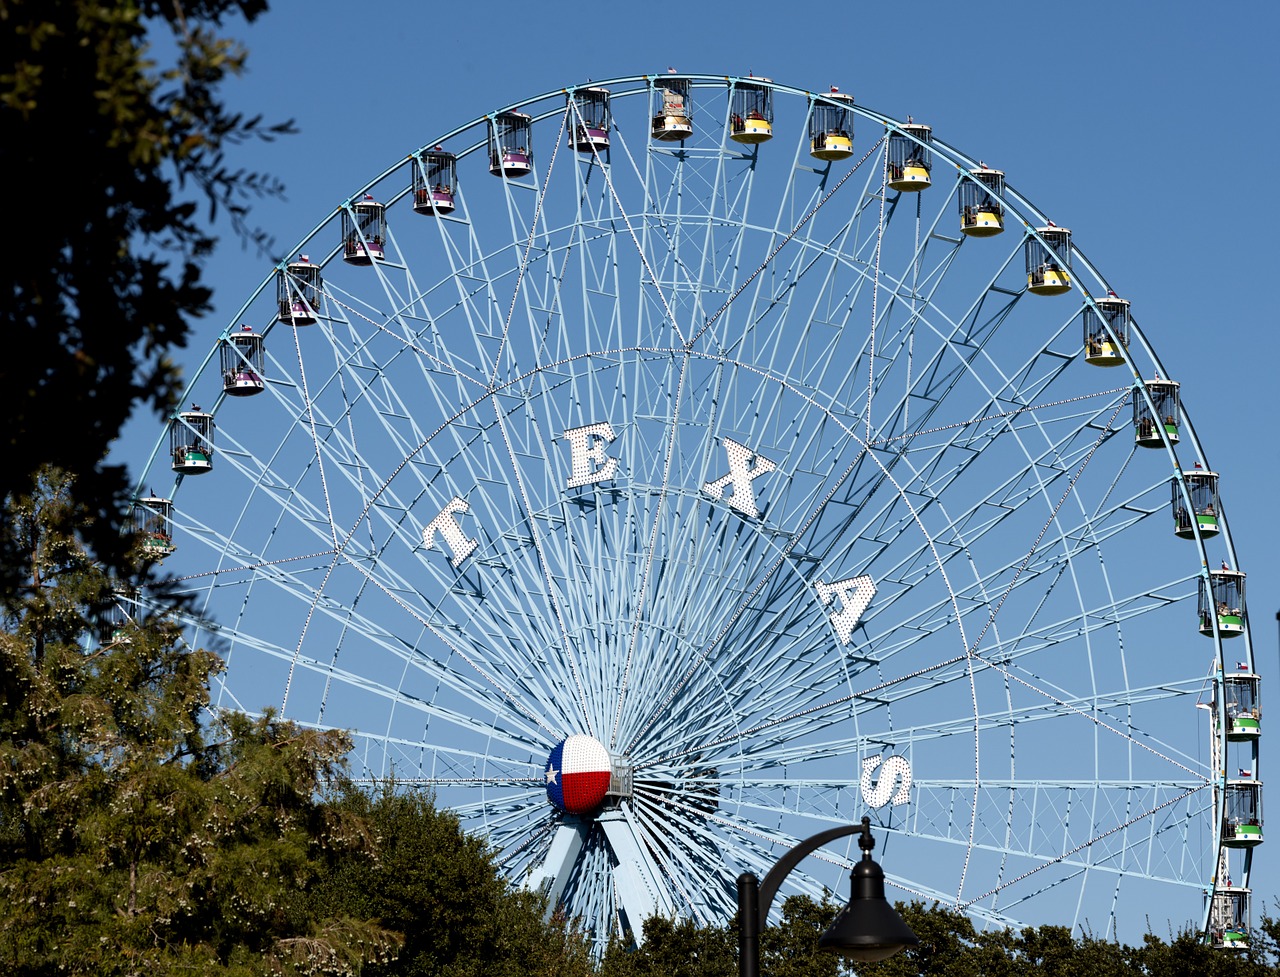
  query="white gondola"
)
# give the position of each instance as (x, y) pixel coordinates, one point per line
(910, 159)
(364, 232)
(1162, 414)
(751, 111)
(1243, 824)
(1106, 330)
(191, 441)
(1222, 602)
(981, 211)
(1202, 487)
(435, 182)
(511, 145)
(1242, 705)
(1229, 918)
(831, 126)
(673, 111)
(592, 121)
(115, 612)
(242, 355)
(299, 291)
(151, 521)
(1049, 260)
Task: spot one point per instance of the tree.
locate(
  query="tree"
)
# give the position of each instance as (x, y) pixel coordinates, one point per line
(683, 948)
(950, 946)
(790, 949)
(674, 948)
(139, 835)
(439, 887)
(108, 154)
(1187, 956)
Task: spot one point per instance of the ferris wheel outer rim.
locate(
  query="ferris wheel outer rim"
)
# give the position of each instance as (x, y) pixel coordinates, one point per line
(1028, 215)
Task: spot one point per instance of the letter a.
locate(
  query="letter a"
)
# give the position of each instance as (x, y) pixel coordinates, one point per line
(855, 597)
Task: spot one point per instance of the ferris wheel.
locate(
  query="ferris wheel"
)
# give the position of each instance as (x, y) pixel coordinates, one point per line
(660, 472)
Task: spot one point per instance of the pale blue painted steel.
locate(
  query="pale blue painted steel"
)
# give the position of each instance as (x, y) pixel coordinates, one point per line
(1031, 647)
(550, 878)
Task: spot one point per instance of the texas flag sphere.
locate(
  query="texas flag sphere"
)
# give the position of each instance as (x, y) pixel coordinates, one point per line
(578, 774)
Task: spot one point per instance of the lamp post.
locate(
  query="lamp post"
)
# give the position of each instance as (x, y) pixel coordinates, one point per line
(867, 929)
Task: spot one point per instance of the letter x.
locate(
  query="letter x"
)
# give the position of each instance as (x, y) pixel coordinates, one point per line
(741, 474)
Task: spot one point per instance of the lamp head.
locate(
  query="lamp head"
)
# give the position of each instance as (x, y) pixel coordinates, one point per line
(868, 928)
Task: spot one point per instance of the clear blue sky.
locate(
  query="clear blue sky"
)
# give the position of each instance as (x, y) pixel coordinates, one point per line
(1148, 129)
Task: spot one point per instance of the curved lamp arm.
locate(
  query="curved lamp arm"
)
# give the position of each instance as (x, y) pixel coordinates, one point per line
(867, 929)
(772, 881)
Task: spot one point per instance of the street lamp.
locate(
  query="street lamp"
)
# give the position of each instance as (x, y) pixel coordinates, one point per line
(867, 929)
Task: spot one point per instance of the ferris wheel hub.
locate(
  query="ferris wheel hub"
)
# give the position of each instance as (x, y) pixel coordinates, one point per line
(578, 772)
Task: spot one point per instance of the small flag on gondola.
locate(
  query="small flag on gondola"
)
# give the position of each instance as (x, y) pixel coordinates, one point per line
(1243, 666)
(1245, 773)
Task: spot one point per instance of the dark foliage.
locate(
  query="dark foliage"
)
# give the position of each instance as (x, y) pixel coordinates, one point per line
(140, 834)
(439, 888)
(115, 164)
(950, 946)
